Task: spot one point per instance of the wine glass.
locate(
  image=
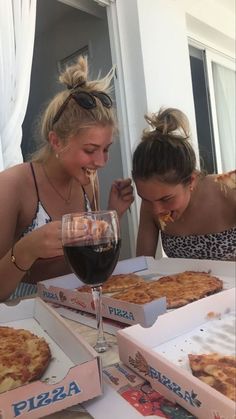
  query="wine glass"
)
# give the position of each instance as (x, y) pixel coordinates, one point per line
(91, 244)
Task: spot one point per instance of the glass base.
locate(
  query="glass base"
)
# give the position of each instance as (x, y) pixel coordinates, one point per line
(101, 346)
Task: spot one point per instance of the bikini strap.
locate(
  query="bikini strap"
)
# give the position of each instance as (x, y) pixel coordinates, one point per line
(87, 202)
(33, 173)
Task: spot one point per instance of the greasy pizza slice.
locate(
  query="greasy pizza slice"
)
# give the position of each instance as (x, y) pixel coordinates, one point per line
(116, 283)
(227, 179)
(165, 219)
(216, 370)
(23, 357)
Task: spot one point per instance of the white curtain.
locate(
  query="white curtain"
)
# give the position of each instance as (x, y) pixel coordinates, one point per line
(17, 30)
(224, 87)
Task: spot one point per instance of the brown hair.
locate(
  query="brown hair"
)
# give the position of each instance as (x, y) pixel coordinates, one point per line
(165, 151)
(74, 117)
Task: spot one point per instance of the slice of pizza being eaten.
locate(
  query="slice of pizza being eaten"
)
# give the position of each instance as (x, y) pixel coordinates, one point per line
(165, 219)
(216, 370)
(24, 357)
(92, 175)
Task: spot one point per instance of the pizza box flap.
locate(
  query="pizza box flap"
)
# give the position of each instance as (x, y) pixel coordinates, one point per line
(184, 319)
(160, 353)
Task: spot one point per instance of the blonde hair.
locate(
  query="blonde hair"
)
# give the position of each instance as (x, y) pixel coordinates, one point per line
(74, 117)
(165, 151)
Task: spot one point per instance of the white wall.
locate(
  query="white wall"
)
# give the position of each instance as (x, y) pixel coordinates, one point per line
(166, 57)
(150, 47)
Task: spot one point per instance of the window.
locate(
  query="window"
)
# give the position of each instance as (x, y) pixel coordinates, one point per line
(213, 80)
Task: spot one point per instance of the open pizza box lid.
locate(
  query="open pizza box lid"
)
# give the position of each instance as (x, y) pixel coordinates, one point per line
(73, 374)
(62, 290)
(160, 353)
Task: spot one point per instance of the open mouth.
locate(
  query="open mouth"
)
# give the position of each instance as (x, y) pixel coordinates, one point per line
(90, 172)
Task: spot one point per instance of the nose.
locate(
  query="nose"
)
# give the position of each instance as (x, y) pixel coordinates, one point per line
(158, 208)
(100, 160)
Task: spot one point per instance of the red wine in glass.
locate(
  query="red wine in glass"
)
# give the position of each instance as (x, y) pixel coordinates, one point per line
(91, 243)
(93, 264)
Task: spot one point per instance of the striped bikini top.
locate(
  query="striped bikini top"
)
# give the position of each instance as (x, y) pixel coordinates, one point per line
(40, 218)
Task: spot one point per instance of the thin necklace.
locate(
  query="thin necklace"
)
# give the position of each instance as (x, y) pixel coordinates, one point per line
(66, 200)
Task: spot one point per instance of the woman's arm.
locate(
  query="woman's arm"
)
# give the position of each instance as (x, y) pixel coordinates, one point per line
(148, 233)
(45, 242)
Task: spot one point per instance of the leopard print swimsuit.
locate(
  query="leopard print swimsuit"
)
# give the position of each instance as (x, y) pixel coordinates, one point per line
(218, 246)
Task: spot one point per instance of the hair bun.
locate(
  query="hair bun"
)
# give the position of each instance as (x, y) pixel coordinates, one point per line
(76, 86)
(169, 122)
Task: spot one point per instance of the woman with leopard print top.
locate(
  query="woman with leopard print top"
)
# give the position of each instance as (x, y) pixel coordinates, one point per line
(195, 215)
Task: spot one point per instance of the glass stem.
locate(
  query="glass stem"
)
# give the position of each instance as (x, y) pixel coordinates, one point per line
(101, 344)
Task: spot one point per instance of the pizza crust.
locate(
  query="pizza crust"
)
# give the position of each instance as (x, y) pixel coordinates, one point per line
(23, 357)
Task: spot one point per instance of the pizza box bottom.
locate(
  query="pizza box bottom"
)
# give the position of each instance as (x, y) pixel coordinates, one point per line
(73, 374)
(62, 290)
(160, 353)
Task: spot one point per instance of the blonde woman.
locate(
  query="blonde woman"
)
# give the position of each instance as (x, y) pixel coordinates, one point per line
(77, 130)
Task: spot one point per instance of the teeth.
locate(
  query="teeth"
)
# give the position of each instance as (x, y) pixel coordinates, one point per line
(90, 172)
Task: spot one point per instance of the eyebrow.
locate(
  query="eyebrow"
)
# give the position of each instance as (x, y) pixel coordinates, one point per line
(155, 200)
(96, 145)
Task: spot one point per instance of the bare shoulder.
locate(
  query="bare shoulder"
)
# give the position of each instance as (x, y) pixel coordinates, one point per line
(14, 184)
(15, 173)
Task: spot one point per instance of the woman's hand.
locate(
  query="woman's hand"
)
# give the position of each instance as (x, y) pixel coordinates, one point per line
(45, 241)
(121, 196)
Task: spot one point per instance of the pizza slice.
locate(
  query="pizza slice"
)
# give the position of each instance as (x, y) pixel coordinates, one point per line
(165, 219)
(216, 370)
(136, 295)
(92, 175)
(117, 283)
(227, 179)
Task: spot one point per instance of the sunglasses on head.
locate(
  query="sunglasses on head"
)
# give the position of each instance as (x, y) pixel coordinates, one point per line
(86, 100)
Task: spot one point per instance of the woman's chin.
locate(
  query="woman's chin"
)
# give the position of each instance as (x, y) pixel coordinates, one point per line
(83, 179)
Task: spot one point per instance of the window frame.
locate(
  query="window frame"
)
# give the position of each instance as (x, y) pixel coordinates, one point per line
(227, 62)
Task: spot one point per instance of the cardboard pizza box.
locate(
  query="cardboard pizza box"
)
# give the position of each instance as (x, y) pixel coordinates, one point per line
(73, 374)
(62, 290)
(160, 353)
